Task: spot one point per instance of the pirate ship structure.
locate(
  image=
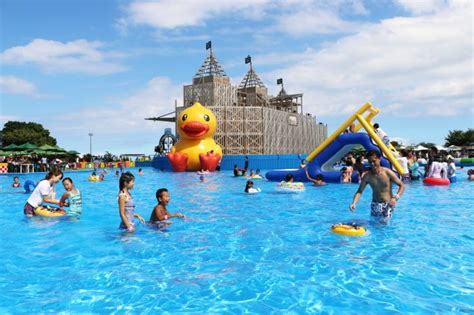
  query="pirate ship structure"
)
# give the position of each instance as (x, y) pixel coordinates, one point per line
(250, 121)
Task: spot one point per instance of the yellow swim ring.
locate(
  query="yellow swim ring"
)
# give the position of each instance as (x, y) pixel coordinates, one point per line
(348, 229)
(93, 178)
(49, 212)
(291, 186)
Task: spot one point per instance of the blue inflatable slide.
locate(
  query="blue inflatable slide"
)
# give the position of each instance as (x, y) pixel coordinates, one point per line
(323, 163)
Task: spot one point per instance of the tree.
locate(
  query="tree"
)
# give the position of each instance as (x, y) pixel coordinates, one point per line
(18, 132)
(459, 137)
(109, 157)
(469, 137)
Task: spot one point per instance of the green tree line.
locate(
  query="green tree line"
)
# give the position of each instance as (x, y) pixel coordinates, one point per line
(460, 138)
(18, 132)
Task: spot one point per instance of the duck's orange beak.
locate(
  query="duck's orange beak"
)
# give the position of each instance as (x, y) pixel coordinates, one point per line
(194, 129)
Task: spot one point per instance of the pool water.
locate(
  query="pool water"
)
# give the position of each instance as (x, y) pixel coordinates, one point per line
(235, 253)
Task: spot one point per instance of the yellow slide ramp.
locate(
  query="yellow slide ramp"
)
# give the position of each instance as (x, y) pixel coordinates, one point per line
(363, 116)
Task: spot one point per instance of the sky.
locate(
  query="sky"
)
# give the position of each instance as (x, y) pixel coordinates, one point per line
(101, 67)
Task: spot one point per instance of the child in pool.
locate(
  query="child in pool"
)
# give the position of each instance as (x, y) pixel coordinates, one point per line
(16, 182)
(71, 198)
(159, 213)
(318, 181)
(249, 188)
(117, 174)
(470, 174)
(140, 172)
(288, 178)
(42, 192)
(101, 177)
(345, 175)
(202, 179)
(126, 204)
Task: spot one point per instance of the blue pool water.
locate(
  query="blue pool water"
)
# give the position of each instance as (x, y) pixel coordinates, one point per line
(236, 253)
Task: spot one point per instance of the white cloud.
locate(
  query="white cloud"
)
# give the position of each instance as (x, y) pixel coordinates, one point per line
(127, 115)
(119, 123)
(315, 20)
(13, 85)
(170, 14)
(299, 17)
(79, 56)
(423, 6)
(423, 64)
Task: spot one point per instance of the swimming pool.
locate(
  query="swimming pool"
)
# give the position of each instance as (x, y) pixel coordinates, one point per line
(270, 252)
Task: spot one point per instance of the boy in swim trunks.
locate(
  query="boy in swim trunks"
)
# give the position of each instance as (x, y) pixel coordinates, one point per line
(160, 215)
(380, 179)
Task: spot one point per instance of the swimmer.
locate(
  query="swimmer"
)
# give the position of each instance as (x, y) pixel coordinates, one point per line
(71, 198)
(202, 179)
(318, 181)
(241, 171)
(101, 177)
(288, 178)
(249, 189)
(251, 174)
(451, 170)
(436, 169)
(470, 174)
(403, 161)
(126, 204)
(16, 182)
(41, 194)
(160, 215)
(380, 179)
(117, 174)
(140, 172)
(345, 176)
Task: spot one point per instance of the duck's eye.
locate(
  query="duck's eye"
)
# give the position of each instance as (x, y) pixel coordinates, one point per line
(206, 117)
(185, 116)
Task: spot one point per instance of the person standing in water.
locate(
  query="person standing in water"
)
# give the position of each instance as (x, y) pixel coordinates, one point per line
(126, 204)
(380, 179)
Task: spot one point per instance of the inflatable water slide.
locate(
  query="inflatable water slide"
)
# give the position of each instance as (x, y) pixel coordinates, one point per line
(335, 147)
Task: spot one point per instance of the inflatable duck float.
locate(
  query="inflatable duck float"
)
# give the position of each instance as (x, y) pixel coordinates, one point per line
(196, 149)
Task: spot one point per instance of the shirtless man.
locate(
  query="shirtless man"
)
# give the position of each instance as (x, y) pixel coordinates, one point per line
(380, 180)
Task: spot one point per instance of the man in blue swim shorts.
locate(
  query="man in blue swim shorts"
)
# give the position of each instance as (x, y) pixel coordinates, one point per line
(380, 179)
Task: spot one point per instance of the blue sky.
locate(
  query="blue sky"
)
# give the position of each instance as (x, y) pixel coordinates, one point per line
(103, 66)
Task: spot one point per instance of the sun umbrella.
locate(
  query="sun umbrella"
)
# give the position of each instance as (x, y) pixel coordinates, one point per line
(47, 147)
(28, 147)
(72, 152)
(11, 147)
(59, 149)
(6, 153)
(454, 148)
(420, 148)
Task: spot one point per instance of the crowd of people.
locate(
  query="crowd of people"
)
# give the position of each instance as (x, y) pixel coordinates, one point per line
(46, 164)
(365, 170)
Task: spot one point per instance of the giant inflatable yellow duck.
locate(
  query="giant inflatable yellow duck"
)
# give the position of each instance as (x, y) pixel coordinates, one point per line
(196, 148)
